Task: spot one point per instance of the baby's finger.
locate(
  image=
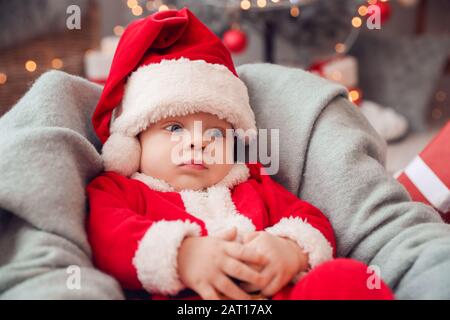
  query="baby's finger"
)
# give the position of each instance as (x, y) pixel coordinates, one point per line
(227, 235)
(272, 287)
(245, 253)
(237, 269)
(249, 237)
(249, 287)
(229, 289)
(207, 292)
(256, 267)
(267, 274)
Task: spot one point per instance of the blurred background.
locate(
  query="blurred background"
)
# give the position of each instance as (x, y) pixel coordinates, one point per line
(393, 56)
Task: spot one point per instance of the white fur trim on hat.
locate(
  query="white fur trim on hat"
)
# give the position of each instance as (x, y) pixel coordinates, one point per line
(180, 87)
(121, 154)
(156, 259)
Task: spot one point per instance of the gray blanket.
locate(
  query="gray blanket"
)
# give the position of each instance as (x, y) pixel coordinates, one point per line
(329, 156)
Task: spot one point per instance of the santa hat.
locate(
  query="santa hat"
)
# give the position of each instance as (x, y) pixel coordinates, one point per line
(166, 64)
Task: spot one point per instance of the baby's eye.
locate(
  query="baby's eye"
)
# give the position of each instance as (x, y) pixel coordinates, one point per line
(215, 133)
(174, 128)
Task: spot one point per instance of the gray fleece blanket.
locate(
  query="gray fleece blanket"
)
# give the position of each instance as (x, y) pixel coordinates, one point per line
(329, 156)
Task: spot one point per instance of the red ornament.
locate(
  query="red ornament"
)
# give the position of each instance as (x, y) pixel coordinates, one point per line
(235, 40)
(385, 10)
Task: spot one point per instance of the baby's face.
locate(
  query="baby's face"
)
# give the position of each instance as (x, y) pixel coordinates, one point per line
(169, 147)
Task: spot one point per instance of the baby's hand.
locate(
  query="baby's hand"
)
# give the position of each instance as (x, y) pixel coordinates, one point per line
(285, 260)
(205, 264)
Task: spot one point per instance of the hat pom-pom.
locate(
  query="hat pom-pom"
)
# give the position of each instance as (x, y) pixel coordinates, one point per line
(121, 154)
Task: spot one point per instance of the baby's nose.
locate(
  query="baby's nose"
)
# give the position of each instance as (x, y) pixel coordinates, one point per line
(199, 145)
(198, 141)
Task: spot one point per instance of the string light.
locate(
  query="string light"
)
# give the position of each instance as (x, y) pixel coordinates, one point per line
(441, 96)
(163, 7)
(57, 63)
(30, 66)
(354, 95)
(295, 11)
(436, 113)
(245, 4)
(362, 10)
(340, 47)
(137, 10)
(118, 30)
(261, 3)
(336, 76)
(3, 78)
(132, 3)
(356, 22)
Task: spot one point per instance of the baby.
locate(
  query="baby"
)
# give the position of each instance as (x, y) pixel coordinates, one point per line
(174, 215)
(205, 262)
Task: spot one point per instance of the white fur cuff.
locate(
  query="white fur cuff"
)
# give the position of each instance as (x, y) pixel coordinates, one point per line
(156, 257)
(309, 238)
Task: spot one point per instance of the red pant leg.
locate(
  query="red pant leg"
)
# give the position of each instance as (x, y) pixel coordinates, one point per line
(339, 279)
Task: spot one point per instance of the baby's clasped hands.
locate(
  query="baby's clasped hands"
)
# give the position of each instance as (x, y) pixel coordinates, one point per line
(261, 261)
(285, 259)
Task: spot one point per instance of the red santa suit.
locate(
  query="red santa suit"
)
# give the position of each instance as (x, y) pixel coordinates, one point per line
(169, 64)
(136, 225)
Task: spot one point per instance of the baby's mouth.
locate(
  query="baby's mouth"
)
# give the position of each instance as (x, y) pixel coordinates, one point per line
(193, 164)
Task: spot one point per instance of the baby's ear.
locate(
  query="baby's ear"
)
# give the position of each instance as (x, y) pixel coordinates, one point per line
(139, 135)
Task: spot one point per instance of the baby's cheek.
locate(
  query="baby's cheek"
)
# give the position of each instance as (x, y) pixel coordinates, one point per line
(218, 171)
(155, 158)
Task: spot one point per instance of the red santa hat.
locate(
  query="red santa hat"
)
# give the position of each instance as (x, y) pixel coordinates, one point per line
(166, 64)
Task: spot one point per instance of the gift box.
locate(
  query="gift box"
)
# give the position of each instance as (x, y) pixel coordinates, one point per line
(98, 62)
(427, 177)
(341, 69)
